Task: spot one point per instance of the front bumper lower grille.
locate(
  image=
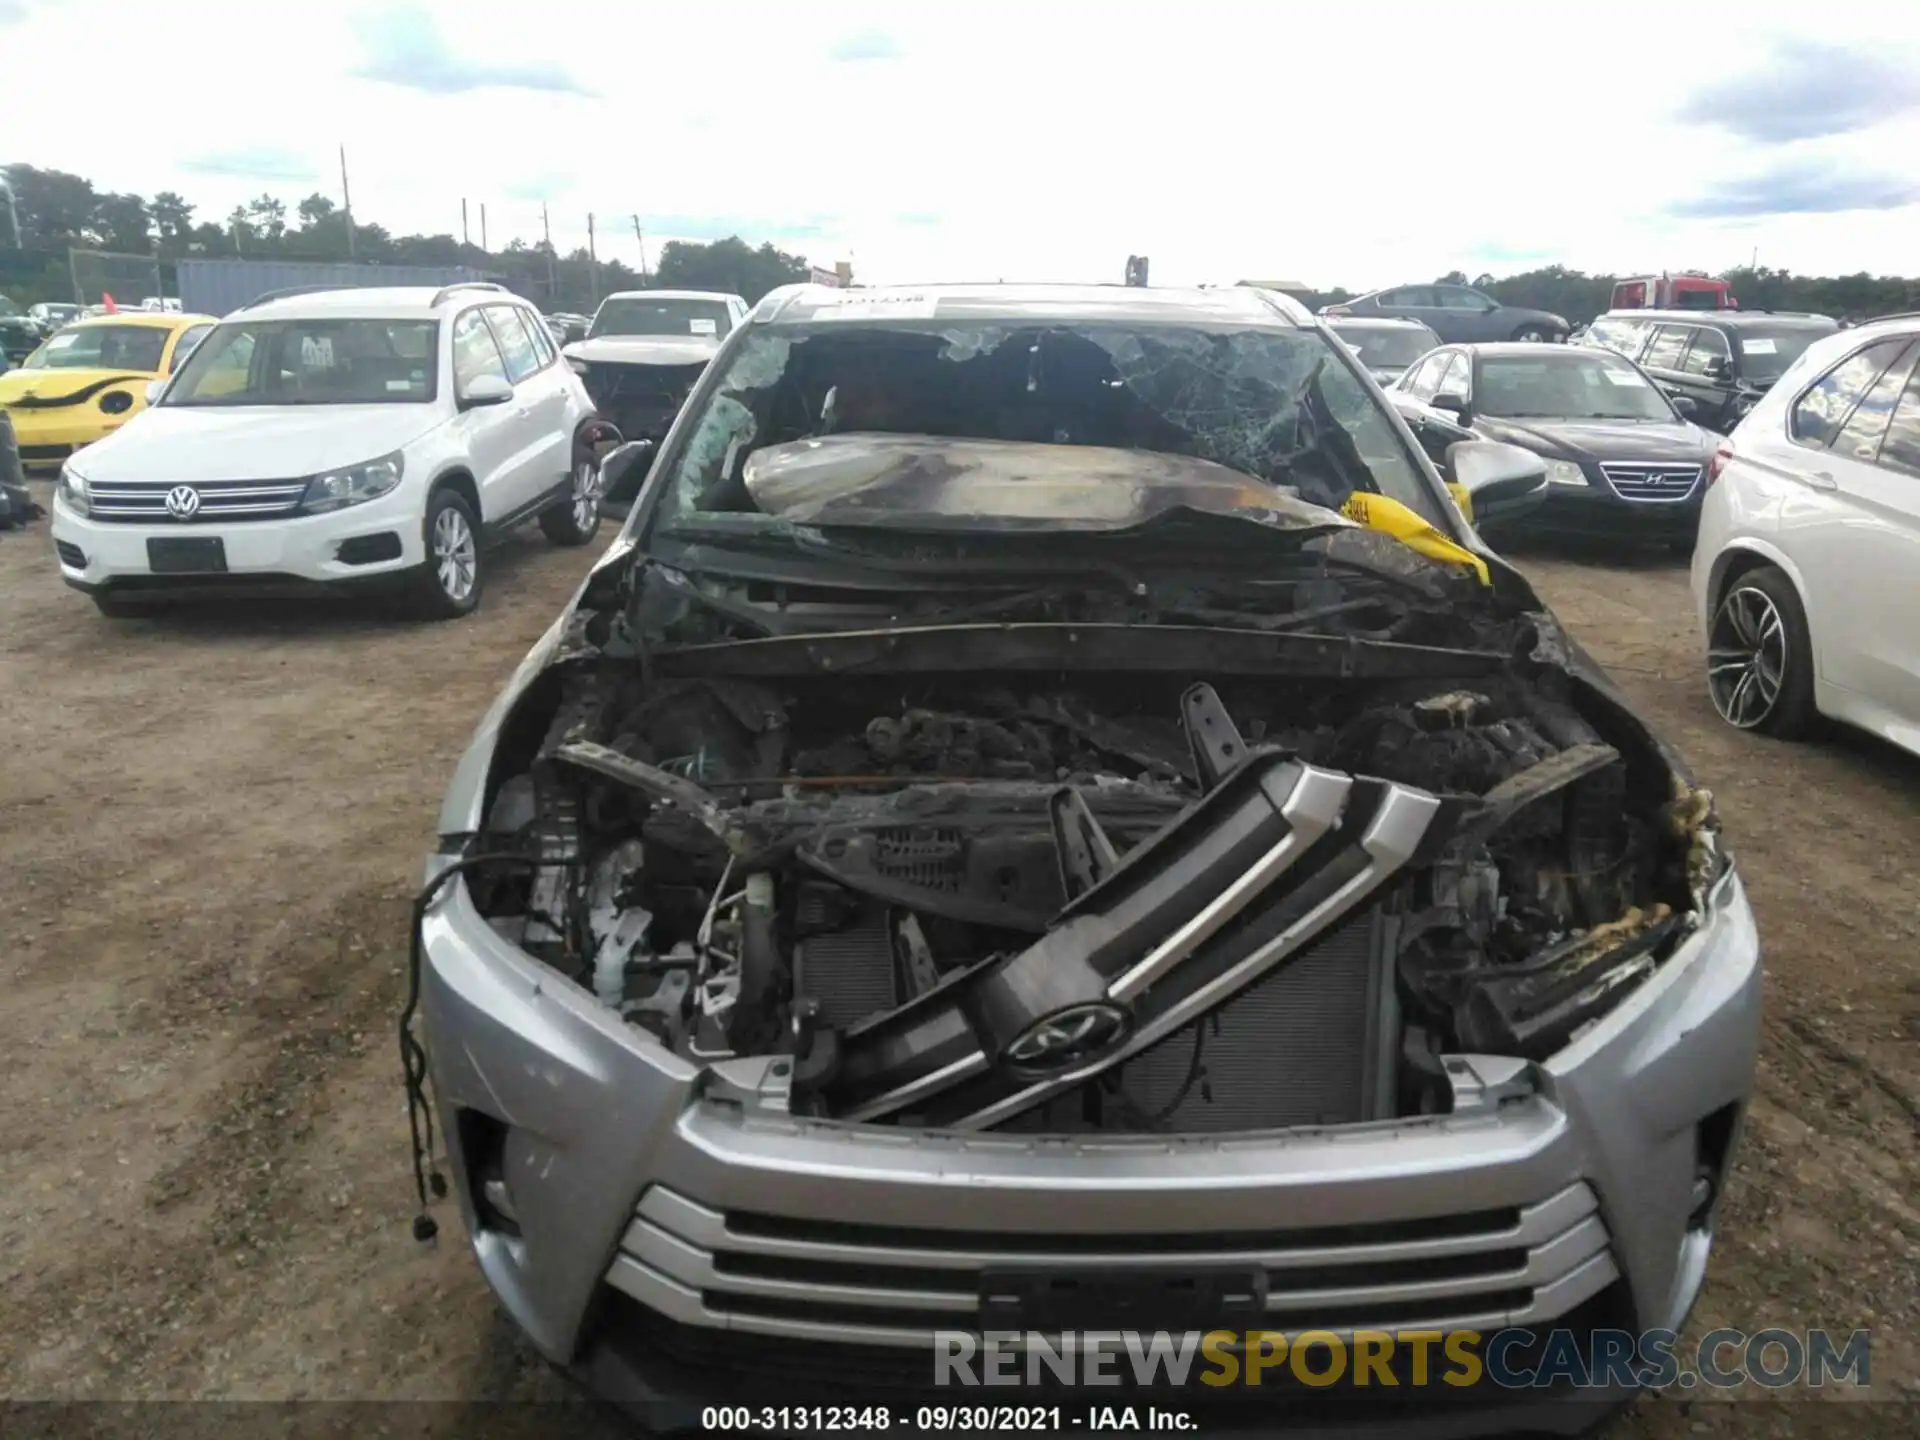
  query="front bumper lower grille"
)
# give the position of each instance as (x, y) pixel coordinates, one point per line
(1651, 481)
(861, 1284)
(146, 504)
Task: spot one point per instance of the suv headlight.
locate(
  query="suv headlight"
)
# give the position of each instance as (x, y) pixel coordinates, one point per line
(73, 490)
(579, 367)
(352, 484)
(1564, 472)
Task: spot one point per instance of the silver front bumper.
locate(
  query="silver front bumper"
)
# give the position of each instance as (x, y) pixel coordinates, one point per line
(622, 1175)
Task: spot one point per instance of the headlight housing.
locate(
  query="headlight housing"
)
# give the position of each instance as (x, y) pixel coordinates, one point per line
(352, 484)
(73, 490)
(1565, 472)
(579, 367)
(115, 402)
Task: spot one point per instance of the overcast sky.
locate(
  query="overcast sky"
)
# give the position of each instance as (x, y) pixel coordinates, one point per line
(1359, 144)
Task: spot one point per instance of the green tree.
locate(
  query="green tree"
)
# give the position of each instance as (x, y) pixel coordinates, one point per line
(268, 218)
(55, 207)
(121, 222)
(729, 265)
(173, 218)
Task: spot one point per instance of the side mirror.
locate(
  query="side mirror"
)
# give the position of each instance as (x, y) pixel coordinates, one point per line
(487, 390)
(1687, 407)
(155, 388)
(1501, 481)
(1717, 367)
(1451, 401)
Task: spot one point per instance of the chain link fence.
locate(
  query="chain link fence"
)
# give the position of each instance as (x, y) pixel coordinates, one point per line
(129, 279)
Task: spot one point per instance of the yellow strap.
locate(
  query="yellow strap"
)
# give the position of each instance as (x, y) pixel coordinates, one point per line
(1390, 517)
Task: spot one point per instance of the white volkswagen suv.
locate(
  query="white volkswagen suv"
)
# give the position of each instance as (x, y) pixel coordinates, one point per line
(360, 439)
(1807, 571)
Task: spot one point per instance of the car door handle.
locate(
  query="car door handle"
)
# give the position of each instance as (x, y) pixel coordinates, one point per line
(1821, 480)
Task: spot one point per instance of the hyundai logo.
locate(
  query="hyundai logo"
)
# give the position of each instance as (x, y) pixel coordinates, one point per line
(183, 502)
(1068, 1036)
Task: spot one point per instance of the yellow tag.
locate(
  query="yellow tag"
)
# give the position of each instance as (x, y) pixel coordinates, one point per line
(1390, 517)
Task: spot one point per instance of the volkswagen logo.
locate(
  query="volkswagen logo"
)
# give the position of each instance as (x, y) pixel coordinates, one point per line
(183, 502)
(1069, 1036)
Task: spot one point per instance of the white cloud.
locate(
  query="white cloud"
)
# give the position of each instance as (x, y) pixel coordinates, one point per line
(1353, 145)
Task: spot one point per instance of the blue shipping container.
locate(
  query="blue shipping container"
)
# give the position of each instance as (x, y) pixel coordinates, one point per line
(215, 287)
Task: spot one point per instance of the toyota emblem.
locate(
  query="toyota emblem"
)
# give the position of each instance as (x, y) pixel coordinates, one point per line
(183, 502)
(1069, 1036)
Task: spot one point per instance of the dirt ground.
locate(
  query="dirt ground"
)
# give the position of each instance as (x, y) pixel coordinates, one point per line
(210, 824)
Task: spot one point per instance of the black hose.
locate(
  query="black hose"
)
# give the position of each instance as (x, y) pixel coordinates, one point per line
(413, 1056)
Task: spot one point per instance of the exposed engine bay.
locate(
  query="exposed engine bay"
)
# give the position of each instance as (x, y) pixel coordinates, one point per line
(1092, 903)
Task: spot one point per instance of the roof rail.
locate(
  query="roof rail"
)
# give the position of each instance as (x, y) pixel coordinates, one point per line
(291, 291)
(445, 290)
(1893, 315)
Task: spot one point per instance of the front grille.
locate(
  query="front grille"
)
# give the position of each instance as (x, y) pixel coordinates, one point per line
(146, 502)
(1651, 480)
(640, 400)
(861, 1284)
(695, 1362)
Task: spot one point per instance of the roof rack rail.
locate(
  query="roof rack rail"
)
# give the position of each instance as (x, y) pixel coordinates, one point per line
(445, 290)
(291, 291)
(1891, 315)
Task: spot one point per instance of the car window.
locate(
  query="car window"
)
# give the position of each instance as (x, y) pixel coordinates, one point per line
(1455, 377)
(102, 347)
(474, 352)
(1425, 378)
(1901, 448)
(1457, 297)
(190, 337)
(1406, 296)
(542, 338)
(1765, 354)
(1859, 438)
(1818, 414)
(343, 360)
(516, 345)
(1669, 347)
(1708, 346)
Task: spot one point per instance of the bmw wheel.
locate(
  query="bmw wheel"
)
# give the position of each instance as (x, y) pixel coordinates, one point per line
(1760, 658)
(576, 520)
(450, 581)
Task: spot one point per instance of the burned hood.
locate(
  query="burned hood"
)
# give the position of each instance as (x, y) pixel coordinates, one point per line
(644, 349)
(929, 482)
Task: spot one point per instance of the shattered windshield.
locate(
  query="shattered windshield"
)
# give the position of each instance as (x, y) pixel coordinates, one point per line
(1279, 406)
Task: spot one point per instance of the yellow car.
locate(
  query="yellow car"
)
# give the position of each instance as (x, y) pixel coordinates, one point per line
(91, 377)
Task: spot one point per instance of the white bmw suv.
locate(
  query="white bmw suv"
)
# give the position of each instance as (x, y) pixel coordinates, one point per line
(364, 439)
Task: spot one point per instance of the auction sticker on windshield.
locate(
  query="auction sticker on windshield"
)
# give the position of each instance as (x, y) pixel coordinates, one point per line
(1758, 345)
(700, 326)
(1624, 377)
(847, 306)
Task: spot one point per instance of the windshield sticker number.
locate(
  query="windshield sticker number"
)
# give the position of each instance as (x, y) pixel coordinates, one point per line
(854, 306)
(703, 327)
(316, 353)
(401, 385)
(1758, 346)
(1625, 377)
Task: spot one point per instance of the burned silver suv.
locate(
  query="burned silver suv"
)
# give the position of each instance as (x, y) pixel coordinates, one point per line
(1048, 812)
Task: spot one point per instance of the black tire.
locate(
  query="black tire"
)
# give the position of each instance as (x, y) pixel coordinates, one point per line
(117, 607)
(576, 520)
(448, 584)
(1760, 656)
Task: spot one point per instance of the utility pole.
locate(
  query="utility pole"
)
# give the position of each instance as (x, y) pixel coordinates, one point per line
(347, 196)
(483, 225)
(553, 277)
(643, 247)
(593, 268)
(463, 222)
